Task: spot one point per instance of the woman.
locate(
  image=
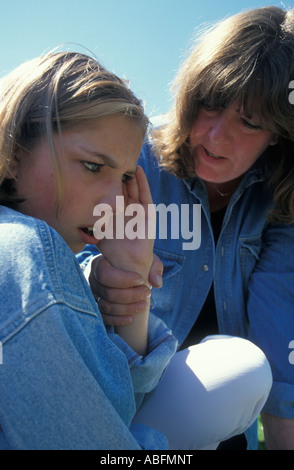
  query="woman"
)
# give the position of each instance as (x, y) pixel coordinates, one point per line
(228, 144)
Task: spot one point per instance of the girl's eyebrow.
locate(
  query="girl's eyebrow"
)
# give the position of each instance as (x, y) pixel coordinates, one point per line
(107, 160)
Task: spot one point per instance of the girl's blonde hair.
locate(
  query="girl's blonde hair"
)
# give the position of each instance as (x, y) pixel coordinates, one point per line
(51, 93)
(247, 57)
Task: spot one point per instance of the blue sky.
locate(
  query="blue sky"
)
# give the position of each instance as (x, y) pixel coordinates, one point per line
(142, 40)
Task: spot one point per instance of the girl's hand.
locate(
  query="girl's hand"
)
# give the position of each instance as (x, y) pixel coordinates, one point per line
(122, 294)
(132, 253)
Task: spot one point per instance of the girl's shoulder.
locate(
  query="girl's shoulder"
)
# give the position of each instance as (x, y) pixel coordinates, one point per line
(38, 270)
(23, 236)
(31, 243)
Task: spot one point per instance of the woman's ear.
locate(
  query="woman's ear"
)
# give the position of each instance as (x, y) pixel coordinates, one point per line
(274, 140)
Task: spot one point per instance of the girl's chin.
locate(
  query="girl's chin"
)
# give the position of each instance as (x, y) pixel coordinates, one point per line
(77, 244)
(87, 238)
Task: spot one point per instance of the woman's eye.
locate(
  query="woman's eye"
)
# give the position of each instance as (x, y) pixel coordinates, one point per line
(93, 167)
(210, 109)
(250, 125)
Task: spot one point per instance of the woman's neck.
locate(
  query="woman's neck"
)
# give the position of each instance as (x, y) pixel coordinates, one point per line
(219, 194)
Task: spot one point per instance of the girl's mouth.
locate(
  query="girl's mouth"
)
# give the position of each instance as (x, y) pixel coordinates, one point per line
(87, 235)
(88, 230)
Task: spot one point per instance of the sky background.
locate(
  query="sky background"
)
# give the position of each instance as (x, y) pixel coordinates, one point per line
(144, 41)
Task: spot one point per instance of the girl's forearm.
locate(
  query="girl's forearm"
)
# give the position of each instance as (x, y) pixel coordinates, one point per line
(135, 334)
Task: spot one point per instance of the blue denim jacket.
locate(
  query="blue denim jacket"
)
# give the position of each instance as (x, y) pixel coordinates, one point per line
(252, 267)
(65, 382)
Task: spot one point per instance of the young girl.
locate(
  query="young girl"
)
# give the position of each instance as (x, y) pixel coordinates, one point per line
(71, 133)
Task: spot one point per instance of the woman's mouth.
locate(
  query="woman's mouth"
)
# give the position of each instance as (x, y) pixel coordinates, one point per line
(210, 154)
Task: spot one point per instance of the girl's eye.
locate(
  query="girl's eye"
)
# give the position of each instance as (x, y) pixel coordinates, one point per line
(126, 178)
(250, 125)
(93, 167)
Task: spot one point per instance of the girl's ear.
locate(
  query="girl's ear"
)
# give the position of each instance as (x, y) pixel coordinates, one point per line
(12, 172)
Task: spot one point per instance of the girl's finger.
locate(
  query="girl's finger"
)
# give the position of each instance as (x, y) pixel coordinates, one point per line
(143, 187)
(132, 189)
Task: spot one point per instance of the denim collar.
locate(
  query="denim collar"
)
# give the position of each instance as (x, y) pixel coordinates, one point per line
(257, 173)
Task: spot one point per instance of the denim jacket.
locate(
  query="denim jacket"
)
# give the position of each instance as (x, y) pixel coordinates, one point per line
(252, 267)
(65, 382)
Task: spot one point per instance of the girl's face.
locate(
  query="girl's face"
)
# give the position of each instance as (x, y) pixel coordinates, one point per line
(225, 143)
(95, 161)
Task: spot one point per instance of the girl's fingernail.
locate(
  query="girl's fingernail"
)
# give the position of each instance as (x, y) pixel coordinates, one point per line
(158, 280)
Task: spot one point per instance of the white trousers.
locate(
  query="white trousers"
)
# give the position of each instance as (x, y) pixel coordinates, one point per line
(210, 392)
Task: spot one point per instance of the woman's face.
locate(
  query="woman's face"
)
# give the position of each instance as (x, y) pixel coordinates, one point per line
(225, 143)
(95, 160)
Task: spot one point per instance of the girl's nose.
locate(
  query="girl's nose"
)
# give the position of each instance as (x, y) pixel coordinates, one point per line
(113, 190)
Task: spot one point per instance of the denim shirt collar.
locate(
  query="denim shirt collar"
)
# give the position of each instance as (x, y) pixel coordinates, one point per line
(257, 173)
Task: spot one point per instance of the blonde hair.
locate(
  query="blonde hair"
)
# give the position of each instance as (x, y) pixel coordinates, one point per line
(51, 93)
(249, 57)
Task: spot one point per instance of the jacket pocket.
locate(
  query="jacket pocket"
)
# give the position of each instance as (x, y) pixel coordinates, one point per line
(250, 248)
(163, 299)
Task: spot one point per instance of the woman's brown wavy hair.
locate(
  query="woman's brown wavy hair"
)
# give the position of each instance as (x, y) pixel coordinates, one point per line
(247, 57)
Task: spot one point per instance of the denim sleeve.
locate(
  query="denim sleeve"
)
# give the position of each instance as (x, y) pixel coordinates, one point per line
(53, 390)
(271, 314)
(146, 371)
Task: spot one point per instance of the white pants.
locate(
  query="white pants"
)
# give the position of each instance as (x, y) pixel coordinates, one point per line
(209, 393)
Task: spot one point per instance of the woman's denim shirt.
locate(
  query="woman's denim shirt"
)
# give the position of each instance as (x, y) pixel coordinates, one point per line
(65, 382)
(252, 267)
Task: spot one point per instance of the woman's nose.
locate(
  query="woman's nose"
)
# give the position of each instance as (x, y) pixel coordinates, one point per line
(219, 130)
